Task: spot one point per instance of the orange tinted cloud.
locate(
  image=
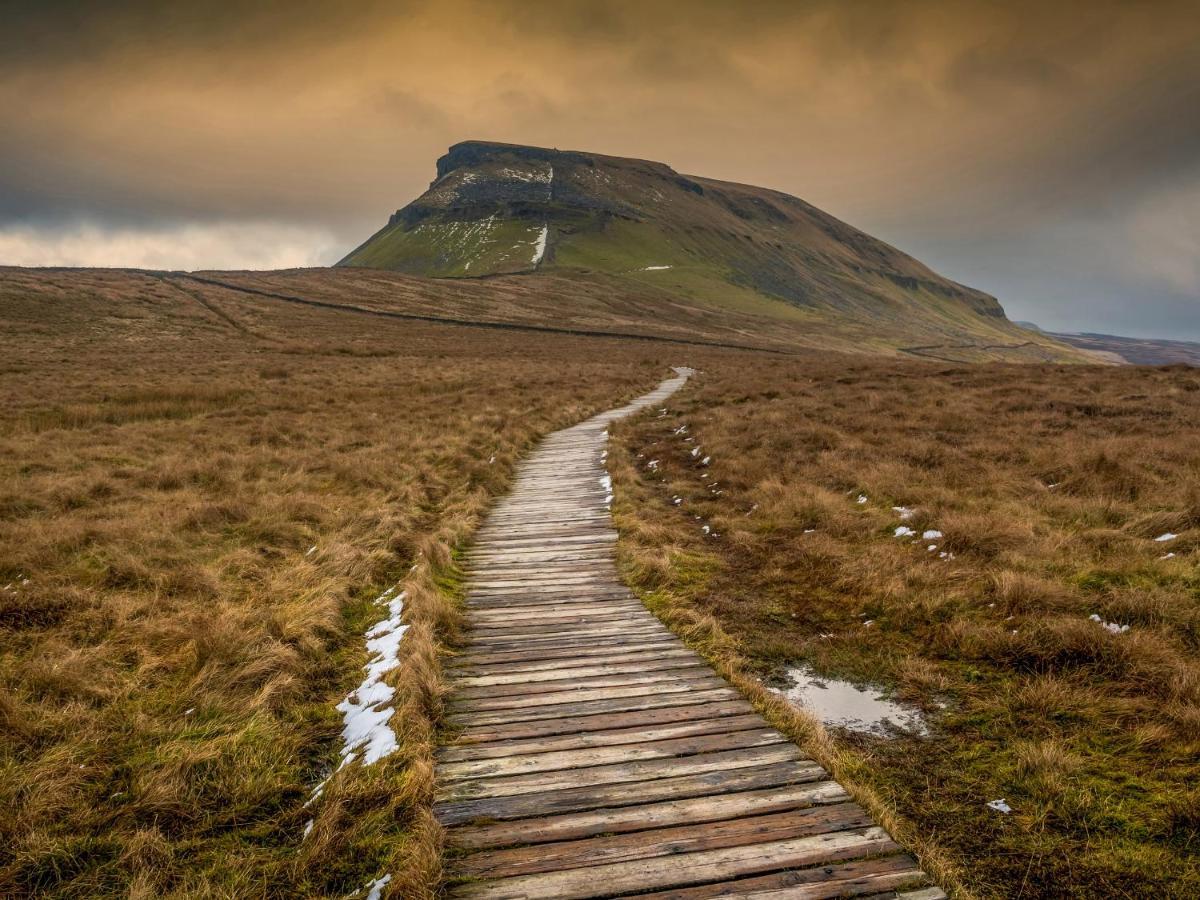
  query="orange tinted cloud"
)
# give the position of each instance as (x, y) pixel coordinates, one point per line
(920, 119)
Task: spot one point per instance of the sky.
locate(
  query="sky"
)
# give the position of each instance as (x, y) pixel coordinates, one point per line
(1046, 152)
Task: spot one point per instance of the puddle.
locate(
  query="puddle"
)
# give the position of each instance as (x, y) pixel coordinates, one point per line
(841, 704)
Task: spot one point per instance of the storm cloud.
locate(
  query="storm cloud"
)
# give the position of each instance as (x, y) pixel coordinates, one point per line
(1047, 153)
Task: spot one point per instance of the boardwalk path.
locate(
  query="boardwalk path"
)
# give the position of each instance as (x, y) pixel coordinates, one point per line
(599, 756)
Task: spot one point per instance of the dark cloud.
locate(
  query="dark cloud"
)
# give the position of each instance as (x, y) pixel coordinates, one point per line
(973, 131)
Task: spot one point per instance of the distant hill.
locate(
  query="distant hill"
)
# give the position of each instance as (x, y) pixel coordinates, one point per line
(1136, 351)
(503, 209)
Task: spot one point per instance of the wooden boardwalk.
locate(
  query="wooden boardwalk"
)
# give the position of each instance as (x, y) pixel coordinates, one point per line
(599, 756)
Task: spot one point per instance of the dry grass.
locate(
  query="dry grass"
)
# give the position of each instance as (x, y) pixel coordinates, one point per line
(1049, 486)
(171, 649)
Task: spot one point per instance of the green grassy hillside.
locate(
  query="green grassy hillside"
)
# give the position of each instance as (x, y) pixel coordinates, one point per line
(504, 209)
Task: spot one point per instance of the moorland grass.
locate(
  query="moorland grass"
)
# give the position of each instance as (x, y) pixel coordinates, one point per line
(200, 496)
(1049, 486)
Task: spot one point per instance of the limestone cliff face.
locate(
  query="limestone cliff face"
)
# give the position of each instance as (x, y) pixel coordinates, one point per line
(504, 208)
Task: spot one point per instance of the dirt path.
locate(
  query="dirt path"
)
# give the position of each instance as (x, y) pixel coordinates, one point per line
(599, 756)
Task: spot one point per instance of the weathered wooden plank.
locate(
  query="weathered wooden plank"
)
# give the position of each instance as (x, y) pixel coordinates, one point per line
(601, 796)
(577, 540)
(489, 637)
(515, 638)
(529, 688)
(551, 618)
(562, 597)
(559, 671)
(529, 701)
(574, 571)
(647, 816)
(688, 711)
(467, 667)
(545, 588)
(610, 737)
(929, 893)
(622, 772)
(481, 556)
(500, 661)
(467, 717)
(555, 857)
(591, 758)
(849, 879)
(707, 865)
(540, 612)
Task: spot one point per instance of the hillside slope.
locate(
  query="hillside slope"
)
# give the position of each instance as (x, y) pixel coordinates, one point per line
(501, 209)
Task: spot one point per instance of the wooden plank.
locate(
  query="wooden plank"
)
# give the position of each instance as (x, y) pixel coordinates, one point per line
(516, 638)
(466, 667)
(625, 609)
(610, 737)
(527, 688)
(468, 716)
(550, 618)
(530, 637)
(500, 661)
(849, 879)
(557, 698)
(498, 769)
(647, 816)
(601, 796)
(559, 670)
(707, 865)
(625, 773)
(562, 597)
(555, 857)
(585, 724)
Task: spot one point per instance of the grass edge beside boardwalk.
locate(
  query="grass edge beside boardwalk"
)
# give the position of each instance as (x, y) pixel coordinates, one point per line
(667, 582)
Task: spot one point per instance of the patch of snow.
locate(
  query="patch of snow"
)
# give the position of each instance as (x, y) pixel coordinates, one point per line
(188, 712)
(654, 268)
(931, 535)
(862, 498)
(809, 530)
(903, 531)
(525, 175)
(706, 529)
(706, 461)
(606, 484)
(999, 806)
(1111, 627)
(1166, 556)
(931, 547)
(682, 429)
(652, 465)
(308, 826)
(677, 501)
(695, 452)
(539, 248)
(1163, 538)
(903, 512)
(366, 710)
(375, 888)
